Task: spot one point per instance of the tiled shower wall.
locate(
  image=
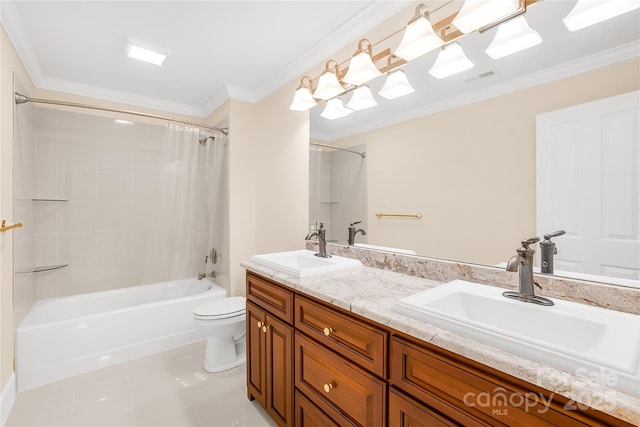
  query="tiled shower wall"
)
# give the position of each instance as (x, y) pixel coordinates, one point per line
(97, 179)
(338, 191)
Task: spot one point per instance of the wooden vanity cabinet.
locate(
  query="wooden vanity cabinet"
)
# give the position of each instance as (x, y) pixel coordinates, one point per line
(310, 363)
(270, 348)
(471, 394)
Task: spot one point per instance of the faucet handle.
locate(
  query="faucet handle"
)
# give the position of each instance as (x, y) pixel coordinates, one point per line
(354, 223)
(548, 237)
(530, 241)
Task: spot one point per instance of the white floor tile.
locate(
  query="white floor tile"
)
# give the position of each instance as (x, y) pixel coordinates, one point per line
(165, 389)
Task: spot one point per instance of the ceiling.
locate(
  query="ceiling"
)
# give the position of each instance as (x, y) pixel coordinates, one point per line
(248, 49)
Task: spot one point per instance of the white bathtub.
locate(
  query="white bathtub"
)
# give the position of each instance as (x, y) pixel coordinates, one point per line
(63, 337)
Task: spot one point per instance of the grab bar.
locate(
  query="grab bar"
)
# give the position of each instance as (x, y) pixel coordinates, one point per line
(414, 216)
(4, 227)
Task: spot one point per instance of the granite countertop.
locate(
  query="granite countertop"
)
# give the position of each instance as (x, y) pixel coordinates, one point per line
(371, 292)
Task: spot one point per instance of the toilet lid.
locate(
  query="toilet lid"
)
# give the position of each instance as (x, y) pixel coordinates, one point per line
(221, 308)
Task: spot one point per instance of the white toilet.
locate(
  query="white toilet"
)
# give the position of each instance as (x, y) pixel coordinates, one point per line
(223, 322)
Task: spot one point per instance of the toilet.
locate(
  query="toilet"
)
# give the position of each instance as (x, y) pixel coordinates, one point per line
(223, 323)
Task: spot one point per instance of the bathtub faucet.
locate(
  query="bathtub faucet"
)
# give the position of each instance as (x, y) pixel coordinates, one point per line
(203, 275)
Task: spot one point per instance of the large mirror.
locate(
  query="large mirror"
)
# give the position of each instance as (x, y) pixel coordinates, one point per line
(457, 158)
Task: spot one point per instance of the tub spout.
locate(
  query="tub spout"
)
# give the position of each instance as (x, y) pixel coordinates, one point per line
(203, 275)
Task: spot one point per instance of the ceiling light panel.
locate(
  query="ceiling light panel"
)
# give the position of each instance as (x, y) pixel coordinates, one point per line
(145, 52)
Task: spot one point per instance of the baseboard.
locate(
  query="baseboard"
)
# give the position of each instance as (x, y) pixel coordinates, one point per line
(7, 398)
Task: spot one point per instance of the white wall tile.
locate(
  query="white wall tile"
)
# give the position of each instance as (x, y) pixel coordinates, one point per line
(78, 216)
(79, 248)
(115, 245)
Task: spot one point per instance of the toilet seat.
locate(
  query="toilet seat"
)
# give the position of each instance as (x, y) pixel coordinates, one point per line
(224, 308)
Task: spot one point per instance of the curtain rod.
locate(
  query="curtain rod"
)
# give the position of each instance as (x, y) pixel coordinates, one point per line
(363, 154)
(21, 99)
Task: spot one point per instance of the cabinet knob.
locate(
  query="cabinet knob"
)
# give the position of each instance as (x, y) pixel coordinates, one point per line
(328, 387)
(260, 324)
(264, 328)
(327, 331)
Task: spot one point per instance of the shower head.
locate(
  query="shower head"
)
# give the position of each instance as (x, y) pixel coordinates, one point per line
(204, 138)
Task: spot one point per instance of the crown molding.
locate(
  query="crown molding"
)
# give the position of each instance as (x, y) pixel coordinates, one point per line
(119, 96)
(15, 29)
(616, 55)
(372, 16)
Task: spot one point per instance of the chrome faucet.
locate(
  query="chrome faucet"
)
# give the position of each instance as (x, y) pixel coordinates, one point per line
(353, 232)
(322, 241)
(523, 264)
(547, 251)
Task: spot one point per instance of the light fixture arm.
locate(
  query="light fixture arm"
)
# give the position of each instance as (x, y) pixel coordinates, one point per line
(521, 11)
(421, 12)
(327, 68)
(361, 49)
(309, 84)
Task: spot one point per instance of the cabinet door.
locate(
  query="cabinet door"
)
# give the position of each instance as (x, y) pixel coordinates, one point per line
(279, 352)
(256, 354)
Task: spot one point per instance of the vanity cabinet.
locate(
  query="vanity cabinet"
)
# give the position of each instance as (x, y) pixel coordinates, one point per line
(465, 392)
(270, 348)
(310, 363)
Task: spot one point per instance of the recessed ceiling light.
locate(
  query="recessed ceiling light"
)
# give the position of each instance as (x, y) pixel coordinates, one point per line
(134, 50)
(123, 122)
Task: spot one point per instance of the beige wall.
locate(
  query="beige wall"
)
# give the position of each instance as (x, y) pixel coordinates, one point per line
(9, 64)
(470, 171)
(269, 179)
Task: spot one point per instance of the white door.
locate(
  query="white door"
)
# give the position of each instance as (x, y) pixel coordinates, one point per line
(587, 184)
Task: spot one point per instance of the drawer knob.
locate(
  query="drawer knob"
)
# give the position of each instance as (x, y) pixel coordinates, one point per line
(327, 332)
(328, 387)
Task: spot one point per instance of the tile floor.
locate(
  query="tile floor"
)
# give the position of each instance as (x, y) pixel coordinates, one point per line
(165, 389)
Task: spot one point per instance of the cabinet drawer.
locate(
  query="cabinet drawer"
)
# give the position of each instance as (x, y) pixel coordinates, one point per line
(270, 296)
(309, 415)
(406, 412)
(331, 381)
(356, 340)
(461, 391)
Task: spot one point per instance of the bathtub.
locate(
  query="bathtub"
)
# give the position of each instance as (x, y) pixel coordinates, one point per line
(63, 337)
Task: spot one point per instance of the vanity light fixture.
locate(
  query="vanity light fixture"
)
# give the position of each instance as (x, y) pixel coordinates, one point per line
(397, 85)
(513, 36)
(479, 13)
(419, 37)
(135, 51)
(451, 60)
(361, 68)
(328, 84)
(589, 12)
(362, 99)
(302, 99)
(335, 110)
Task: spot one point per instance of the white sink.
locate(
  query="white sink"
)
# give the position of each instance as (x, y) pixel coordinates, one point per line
(601, 345)
(304, 263)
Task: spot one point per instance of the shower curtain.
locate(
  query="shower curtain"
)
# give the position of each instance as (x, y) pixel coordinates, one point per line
(192, 218)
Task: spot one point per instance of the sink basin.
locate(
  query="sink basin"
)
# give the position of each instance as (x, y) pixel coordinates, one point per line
(304, 263)
(601, 345)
